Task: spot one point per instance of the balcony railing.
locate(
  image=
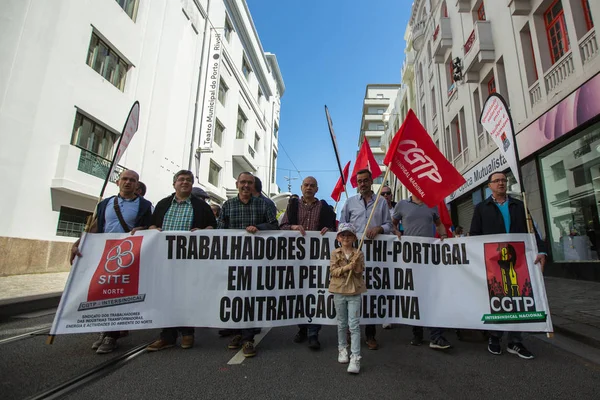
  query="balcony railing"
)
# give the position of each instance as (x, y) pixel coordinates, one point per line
(588, 46)
(561, 70)
(535, 93)
(70, 229)
(97, 166)
(470, 41)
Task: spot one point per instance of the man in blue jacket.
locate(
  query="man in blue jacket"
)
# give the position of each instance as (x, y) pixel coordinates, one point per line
(497, 214)
(118, 214)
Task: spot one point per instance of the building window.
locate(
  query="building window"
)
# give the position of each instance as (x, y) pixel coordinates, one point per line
(556, 30)
(93, 137)
(276, 130)
(433, 105)
(491, 85)
(71, 222)
(246, 68)
(374, 143)
(444, 10)
(222, 92)
(256, 141)
(213, 174)
(227, 29)
(260, 97)
(481, 12)
(571, 182)
(219, 129)
(241, 124)
(273, 167)
(588, 15)
(130, 7)
(379, 96)
(107, 63)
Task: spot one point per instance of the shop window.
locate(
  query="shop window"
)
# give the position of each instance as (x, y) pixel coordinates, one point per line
(572, 204)
(589, 22)
(556, 30)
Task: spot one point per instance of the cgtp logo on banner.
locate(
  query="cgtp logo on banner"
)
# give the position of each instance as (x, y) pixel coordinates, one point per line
(117, 276)
(509, 285)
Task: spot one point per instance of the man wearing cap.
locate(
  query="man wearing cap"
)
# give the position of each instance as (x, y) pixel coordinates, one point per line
(308, 214)
(180, 212)
(356, 211)
(200, 193)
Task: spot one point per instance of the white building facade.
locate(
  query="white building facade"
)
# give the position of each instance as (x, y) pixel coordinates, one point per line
(69, 72)
(542, 57)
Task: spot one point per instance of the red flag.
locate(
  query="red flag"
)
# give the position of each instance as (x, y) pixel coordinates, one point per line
(365, 160)
(339, 186)
(417, 162)
(445, 218)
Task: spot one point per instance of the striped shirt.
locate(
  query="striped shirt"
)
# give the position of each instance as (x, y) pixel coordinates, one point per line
(179, 216)
(238, 215)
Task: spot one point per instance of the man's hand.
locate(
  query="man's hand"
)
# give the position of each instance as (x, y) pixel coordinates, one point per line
(155, 227)
(251, 229)
(74, 252)
(444, 236)
(299, 228)
(398, 233)
(541, 259)
(324, 230)
(139, 228)
(371, 233)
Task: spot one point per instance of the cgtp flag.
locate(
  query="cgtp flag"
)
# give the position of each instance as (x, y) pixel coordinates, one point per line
(365, 160)
(339, 186)
(495, 118)
(417, 162)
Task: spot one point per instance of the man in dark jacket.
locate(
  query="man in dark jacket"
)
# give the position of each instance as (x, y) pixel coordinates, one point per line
(118, 214)
(180, 212)
(501, 213)
(308, 214)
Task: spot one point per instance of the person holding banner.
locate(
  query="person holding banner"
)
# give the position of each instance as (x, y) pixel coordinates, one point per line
(308, 214)
(356, 211)
(180, 212)
(118, 214)
(347, 294)
(497, 214)
(417, 220)
(251, 213)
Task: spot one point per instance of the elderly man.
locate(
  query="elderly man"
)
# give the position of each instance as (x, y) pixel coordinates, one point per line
(501, 213)
(118, 214)
(308, 214)
(251, 213)
(180, 212)
(356, 211)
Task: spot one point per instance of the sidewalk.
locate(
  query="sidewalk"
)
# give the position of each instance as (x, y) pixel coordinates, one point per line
(575, 305)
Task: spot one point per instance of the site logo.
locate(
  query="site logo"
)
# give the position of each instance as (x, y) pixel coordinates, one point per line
(117, 276)
(509, 285)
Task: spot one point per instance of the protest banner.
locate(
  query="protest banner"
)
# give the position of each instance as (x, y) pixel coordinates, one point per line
(232, 279)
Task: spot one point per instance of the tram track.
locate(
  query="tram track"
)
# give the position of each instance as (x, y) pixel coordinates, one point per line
(27, 335)
(90, 375)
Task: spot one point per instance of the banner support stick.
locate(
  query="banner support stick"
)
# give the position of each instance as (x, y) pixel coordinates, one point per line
(362, 239)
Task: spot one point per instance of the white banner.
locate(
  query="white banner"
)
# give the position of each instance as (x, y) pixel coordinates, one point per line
(496, 120)
(232, 279)
(211, 92)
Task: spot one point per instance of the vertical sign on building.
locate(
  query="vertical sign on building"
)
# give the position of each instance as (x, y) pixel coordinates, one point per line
(208, 123)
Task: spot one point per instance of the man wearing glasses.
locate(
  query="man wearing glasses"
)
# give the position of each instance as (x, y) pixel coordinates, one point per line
(356, 211)
(386, 192)
(497, 214)
(308, 214)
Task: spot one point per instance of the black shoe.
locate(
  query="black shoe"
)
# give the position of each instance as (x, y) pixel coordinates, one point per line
(416, 340)
(440, 343)
(494, 346)
(520, 350)
(301, 335)
(313, 343)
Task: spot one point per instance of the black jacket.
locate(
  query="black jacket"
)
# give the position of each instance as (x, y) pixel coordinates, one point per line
(203, 215)
(326, 216)
(487, 220)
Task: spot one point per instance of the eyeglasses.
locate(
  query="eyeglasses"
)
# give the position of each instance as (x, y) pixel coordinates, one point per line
(361, 181)
(499, 181)
(386, 193)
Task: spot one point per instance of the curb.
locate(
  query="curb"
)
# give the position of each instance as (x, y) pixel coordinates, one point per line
(577, 336)
(21, 305)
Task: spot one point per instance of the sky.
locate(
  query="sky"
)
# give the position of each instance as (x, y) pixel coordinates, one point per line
(328, 51)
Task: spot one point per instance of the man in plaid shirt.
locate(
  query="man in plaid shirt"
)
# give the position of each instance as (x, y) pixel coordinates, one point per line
(252, 214)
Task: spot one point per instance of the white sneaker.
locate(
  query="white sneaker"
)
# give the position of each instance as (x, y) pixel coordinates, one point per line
(354, 366)
(343, 356)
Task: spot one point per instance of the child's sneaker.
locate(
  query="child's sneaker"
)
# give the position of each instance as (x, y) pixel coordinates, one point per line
(354, 366)
(343, 356)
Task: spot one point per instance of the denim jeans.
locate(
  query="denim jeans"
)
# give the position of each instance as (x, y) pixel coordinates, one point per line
(347, 309)
(513, 337)
(434, 332)
(312, 329)
(170, 334)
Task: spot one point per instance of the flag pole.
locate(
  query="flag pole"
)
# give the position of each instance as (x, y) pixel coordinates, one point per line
(362, 239)
(335, 149)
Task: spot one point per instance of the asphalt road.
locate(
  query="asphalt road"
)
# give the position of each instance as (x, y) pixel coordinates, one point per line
(283, 369)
